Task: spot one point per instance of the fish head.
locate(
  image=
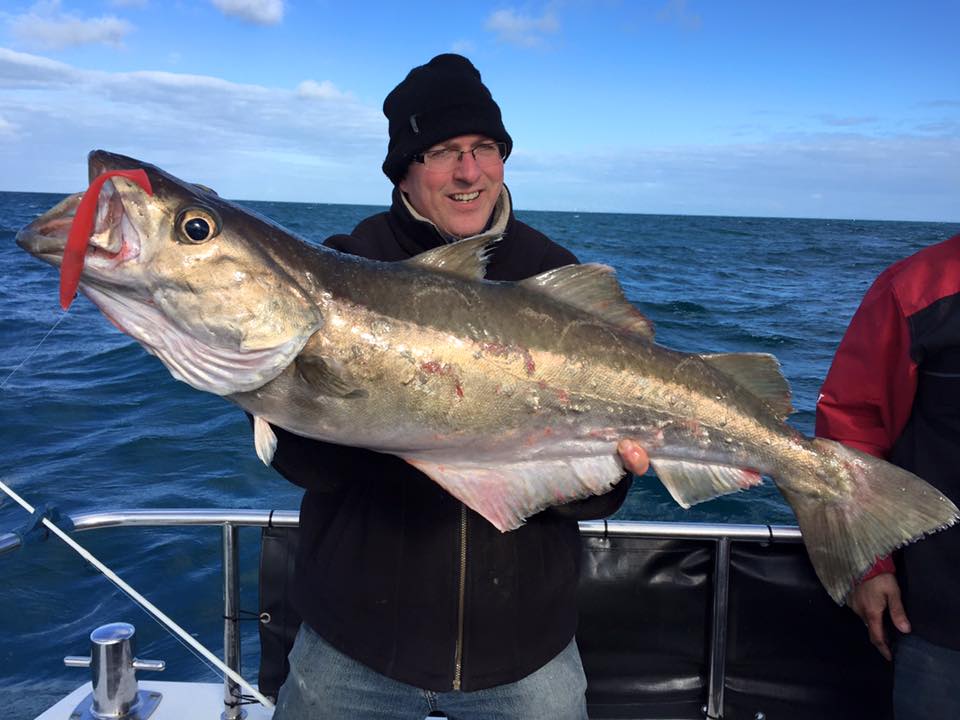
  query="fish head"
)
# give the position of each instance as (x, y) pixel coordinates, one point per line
(216, 291)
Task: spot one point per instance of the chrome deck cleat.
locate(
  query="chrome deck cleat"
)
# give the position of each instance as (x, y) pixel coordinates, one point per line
(113, 673)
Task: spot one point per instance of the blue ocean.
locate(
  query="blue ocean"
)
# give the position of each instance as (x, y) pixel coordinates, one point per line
(91, 421)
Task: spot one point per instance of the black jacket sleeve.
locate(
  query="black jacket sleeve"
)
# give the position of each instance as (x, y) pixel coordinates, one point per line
(598, 506)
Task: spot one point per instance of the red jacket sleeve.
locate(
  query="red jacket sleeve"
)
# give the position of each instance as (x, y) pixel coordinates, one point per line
(868, 394)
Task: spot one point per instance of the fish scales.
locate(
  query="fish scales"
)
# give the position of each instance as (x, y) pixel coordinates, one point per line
(512, 396)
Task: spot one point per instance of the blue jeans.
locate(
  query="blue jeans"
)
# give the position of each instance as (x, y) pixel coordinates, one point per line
(324, 683)
(926, 680)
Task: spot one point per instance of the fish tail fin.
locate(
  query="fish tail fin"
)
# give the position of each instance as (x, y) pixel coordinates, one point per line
(880, 508)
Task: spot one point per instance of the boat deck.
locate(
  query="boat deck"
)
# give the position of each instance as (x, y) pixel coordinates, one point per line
(181, 701)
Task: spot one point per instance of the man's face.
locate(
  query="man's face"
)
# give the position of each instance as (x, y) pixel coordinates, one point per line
(458, 201)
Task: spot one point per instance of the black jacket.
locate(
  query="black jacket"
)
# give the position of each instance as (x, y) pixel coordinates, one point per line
(398, 574)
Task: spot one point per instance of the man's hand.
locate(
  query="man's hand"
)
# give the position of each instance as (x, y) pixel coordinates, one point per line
(633, 456)
(870, 598)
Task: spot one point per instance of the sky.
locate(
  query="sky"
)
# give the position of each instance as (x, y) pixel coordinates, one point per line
(698, 107)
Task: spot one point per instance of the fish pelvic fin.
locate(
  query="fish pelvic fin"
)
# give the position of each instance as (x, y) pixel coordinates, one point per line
(593, 288)
(690, 482)
(884, 508)
(264, 440)
(466, 258)
(507, 494)
(758, 374)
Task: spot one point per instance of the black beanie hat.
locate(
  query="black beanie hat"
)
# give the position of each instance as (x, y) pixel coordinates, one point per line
(435, 102)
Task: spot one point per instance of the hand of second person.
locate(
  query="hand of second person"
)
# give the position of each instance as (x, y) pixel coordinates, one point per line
(633, 456)
(870, 599)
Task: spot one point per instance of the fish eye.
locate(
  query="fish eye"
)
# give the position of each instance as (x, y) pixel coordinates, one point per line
(197, 225)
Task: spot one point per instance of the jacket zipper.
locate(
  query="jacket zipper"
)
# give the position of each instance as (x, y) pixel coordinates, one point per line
(458, 654)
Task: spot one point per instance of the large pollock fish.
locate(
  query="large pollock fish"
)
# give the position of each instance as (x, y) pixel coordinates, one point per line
(512, 396)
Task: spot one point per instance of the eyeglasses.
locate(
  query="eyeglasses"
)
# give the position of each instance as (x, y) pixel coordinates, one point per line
(446, 159)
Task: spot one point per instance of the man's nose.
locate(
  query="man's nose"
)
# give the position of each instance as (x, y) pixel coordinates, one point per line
(467, 169)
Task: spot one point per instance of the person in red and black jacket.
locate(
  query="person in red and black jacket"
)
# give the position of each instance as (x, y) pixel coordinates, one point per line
(893, 391)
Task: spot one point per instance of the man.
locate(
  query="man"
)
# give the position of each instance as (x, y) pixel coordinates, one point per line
(894, 391)
(412, 603)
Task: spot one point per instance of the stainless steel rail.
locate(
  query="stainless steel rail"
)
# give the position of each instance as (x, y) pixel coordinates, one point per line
(231, 520)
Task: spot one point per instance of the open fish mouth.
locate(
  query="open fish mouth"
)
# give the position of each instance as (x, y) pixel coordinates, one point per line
(98, 223)
(113, 240)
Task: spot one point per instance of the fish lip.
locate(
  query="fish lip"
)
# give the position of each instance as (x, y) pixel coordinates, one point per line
(46, 236)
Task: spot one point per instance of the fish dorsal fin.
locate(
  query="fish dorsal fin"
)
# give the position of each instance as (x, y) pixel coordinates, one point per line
(465, 258)
(593, 288)
(759, 374)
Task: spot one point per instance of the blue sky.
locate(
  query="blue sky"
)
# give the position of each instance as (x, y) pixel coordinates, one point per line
(784, 109)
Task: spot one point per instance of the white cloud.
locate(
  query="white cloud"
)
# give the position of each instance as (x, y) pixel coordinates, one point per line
(46, 26)
(825, 175)
(7, 128)
(852, 121)
(326, 90)
(259, 12)
(463, 47)
(516, 29)
(239, 138)
(24, 70)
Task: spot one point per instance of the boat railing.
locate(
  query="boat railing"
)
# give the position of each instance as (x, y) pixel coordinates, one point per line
(230, 521)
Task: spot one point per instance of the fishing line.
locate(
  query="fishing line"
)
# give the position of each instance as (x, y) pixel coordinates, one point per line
(211, 667)
(141, 600)
(71, 269)
(32, 352)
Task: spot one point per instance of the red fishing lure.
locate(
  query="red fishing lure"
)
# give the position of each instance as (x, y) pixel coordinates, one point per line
(76, 249)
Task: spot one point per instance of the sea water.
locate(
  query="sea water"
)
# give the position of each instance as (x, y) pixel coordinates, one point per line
(91, 421)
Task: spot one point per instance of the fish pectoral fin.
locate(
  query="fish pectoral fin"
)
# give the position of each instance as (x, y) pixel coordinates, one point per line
(507, 494)
(593, 288)
(324, 379)
(690, 482)
(466, 258)
(264, 440)
(759, 374)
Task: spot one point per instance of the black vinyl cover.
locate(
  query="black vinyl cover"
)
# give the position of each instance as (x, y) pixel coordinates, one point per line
(279, 622)
(645, 626)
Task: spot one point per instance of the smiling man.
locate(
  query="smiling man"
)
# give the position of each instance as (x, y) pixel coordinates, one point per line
(457, 183)
(411, 602)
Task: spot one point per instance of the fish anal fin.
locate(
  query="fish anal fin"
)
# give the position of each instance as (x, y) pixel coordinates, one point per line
(465, 258)
(264, 440)
(324, 379)
(593, 288)
(690, 482)
(507, 494)
(759, 374)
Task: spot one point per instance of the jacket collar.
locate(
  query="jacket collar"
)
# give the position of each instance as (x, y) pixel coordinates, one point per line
(426, 235)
